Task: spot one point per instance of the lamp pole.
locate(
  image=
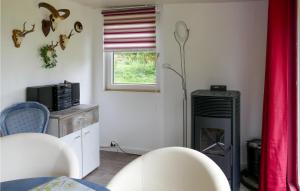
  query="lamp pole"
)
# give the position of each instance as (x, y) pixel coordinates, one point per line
(181, 36)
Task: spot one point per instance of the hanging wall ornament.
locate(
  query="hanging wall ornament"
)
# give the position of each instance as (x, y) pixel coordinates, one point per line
(64, 39)
(54, 18)
(18, 35)
(78, 26)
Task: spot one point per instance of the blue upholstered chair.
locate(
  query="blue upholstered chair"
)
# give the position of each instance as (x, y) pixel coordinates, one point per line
(24, 118)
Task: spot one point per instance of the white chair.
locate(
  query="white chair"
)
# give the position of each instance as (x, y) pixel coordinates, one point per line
(28, 155)
(170, 169)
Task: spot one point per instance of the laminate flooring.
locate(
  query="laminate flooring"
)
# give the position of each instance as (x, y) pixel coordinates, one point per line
(111, 163)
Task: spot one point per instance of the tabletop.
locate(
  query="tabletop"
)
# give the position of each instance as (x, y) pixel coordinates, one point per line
(29, 183)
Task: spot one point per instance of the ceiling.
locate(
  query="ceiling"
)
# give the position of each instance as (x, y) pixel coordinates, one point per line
(118, 3)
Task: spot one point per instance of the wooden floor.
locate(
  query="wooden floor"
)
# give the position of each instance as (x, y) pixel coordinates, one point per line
(111, 163)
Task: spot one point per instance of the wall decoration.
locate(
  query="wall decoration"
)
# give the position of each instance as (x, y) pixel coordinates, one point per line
(18, 35)
(78, 26)
(54, 17)
(48, 54)
(64, 39)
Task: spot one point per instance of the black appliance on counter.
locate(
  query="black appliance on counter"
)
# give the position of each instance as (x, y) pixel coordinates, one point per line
(75, 93)
(216, 130)
(55, 97)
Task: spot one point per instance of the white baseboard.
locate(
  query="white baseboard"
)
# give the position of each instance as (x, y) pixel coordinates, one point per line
(126, 149)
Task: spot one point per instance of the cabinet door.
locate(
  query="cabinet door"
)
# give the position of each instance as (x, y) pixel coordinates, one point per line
(74, 141)
(90, 148)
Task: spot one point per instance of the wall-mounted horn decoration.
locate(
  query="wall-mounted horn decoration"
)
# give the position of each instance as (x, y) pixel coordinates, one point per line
(18, 35)
(54, 17)
(64, 39)
(52, 46)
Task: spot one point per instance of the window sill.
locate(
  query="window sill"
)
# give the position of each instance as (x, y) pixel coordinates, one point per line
(134, 90)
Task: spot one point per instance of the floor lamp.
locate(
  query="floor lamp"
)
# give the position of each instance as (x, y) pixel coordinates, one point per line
(181, 35)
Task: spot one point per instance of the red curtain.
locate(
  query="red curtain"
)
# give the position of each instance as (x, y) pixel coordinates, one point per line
(279, 132)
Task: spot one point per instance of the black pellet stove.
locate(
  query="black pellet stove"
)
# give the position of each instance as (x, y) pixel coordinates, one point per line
(216, 130)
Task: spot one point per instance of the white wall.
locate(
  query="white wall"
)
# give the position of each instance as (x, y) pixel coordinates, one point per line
(21, 67)
(226, 46)
(131, 119)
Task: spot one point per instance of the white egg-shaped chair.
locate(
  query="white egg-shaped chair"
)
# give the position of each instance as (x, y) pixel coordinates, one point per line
(28, 155)
(170, 169)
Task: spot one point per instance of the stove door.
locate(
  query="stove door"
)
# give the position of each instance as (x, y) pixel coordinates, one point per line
(213, 138)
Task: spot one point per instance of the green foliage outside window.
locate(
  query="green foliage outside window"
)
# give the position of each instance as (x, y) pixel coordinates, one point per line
(134, 68)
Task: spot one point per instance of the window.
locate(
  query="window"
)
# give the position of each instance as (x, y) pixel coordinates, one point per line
(134, 68)
(131, 71)
(130, 49)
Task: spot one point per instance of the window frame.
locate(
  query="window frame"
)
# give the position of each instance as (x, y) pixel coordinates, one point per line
(110, 86)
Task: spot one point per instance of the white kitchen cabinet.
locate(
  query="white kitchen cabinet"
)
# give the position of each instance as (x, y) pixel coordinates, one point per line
(78, 127)
(74, 141)
(90, 144)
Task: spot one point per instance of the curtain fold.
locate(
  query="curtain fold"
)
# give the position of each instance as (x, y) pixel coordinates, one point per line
(279, 129)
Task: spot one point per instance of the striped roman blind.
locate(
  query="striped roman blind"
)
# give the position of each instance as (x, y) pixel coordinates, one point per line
(130, 29)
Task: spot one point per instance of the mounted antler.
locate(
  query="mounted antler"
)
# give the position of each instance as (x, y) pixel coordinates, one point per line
(18, 35)
(70, 34)
(24, 32)
(52, 46)
(54, 17)
(64, 39)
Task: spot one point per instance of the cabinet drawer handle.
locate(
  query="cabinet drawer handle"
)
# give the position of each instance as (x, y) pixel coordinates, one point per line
(77, 137)
(87, 132)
